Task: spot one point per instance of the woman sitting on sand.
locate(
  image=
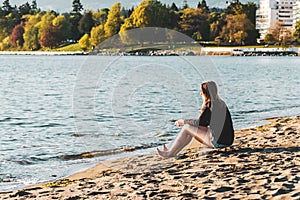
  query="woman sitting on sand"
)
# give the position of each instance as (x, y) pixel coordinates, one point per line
(213, 128)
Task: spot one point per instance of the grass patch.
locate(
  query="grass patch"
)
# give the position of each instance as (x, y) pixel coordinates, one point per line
(262, 128)
(71, 47)
(59, 183)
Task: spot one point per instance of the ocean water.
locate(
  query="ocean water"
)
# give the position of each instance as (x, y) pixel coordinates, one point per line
(55, 108)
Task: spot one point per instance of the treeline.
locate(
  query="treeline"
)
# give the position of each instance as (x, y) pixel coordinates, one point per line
(29, 28)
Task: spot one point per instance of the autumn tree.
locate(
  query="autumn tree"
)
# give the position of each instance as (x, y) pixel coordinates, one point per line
(52, 37)
(237, 8)
(194, 23)
(113, 23)
(45, 22)
(16, 37)
(100, 17)
(236, 29)
(286, 37)
(216, 21)
(150, 13)
(84, 42)
(31, 38)
(275, 30)
(97, 35)
(297, 31)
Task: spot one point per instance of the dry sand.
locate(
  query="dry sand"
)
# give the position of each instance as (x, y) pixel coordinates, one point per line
(264, 163)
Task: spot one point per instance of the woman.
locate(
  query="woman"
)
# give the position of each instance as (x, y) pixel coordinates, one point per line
(213, 128)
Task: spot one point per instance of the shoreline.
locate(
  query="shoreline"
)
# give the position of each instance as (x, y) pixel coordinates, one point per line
(43, 53)
(205, 51)
(264, 162)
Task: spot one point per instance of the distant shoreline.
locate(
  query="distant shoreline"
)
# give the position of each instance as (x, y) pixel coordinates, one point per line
(44, 53)
(205, 51)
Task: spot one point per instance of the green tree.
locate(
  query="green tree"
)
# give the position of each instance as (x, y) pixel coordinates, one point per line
(63, 24)
(269, 39)
(76, 7)
(74, 19)
(34, 5)
(97, 35)
(84, 42)
(34, 8)
(174, 7)
(6, 7)
(194, 23)
(250, 10)
(24, 9)
(203, 5)
(86, 23)
(113, 23)
(7, 23)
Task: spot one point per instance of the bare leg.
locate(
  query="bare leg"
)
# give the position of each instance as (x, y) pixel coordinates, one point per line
(184, 138)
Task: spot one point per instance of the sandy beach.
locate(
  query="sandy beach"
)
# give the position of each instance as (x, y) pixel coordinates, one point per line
(263, 163)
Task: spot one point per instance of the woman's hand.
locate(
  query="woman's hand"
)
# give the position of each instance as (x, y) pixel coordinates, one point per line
(179, 123)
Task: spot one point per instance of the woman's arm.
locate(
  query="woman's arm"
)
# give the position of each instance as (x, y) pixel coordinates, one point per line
(182, 122)
(192, 122)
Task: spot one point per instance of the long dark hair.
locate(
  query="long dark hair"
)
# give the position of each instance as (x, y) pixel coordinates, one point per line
(210, 92)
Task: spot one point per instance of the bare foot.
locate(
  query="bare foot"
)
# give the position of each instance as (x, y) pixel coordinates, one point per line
(163, 154)
(165, 148)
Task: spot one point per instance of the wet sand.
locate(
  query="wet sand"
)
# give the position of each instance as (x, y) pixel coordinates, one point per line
(263, 163)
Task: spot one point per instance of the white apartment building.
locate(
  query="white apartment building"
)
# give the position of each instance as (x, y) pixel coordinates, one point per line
(296, 12)
(272, 12)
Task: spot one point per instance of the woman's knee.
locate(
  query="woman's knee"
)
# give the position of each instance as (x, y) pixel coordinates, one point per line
(187, 127)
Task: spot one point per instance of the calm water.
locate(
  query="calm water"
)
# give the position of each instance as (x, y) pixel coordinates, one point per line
(53, 108)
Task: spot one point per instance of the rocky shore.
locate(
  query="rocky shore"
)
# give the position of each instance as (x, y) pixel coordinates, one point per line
(263, 163)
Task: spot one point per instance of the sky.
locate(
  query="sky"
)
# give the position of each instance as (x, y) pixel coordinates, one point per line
(66, 5)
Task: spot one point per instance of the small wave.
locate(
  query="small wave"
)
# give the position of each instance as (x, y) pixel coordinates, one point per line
(52, 95)
(21, 123)
(49, 125)
(106, 152)
(7, 119)
(23, 162)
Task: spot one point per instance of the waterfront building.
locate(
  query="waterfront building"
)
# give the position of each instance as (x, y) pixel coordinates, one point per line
(296, 12)
(272, 12)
